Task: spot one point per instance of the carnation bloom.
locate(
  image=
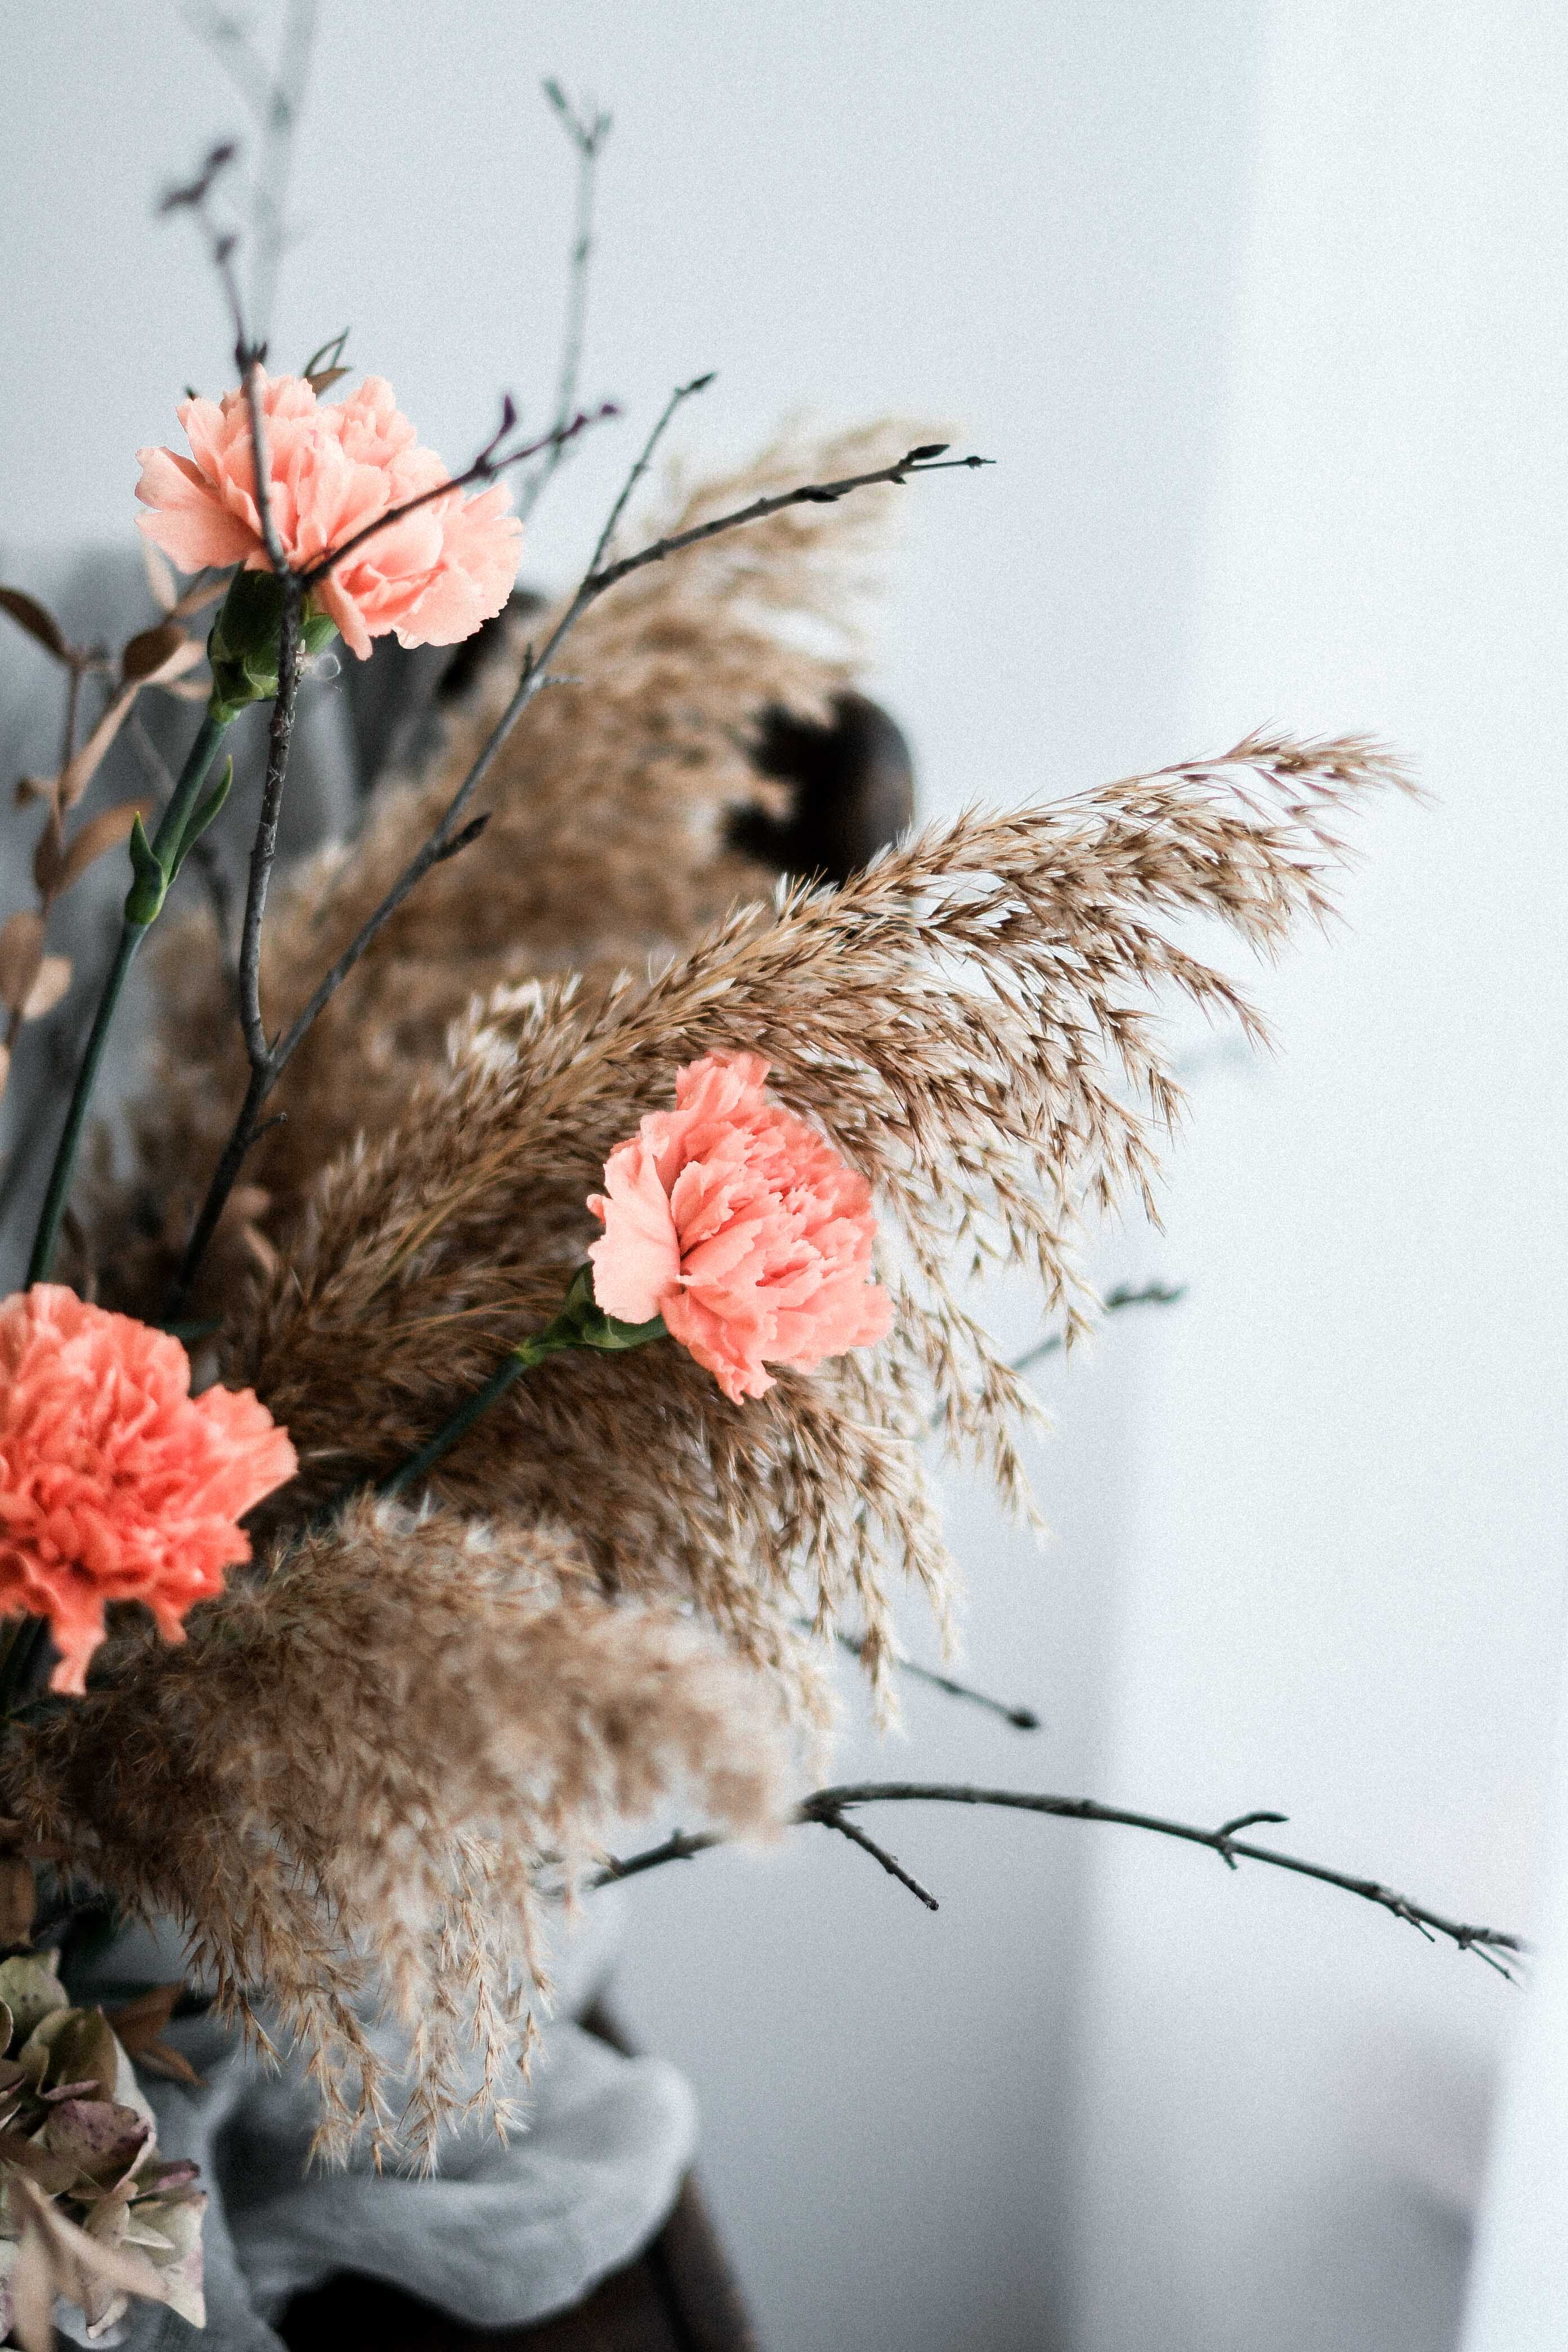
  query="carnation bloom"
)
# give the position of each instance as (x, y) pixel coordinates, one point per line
(333, 467)
(742, 1226)
(116, 1484)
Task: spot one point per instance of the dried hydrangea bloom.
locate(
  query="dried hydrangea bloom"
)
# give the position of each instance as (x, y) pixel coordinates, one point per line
(742, 1226)
(116, 1484)
(333, 468)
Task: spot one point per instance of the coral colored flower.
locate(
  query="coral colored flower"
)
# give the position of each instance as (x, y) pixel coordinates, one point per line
(333, 467)
(741, 1225)
(116, 1484)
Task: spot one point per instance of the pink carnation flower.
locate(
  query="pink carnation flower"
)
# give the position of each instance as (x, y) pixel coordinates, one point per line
(333, 468)
(116, 1484)
(741, 1225)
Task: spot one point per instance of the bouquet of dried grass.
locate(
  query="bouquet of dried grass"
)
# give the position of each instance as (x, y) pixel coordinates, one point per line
(475, 1620)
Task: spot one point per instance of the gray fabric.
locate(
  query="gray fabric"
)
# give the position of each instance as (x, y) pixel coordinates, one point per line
(500, 2235)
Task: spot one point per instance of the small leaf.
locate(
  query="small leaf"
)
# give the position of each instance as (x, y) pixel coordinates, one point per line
(141, 2021)
(21, 952)
(54, 979)
(147, 892)
(30, 789)
(82, 771)
(323, 366)
(170, 2065)
(160, 578)
(148, 651)
(202, 815)
(39, 622)
(927, 450)
(48, 857)
(103, 832)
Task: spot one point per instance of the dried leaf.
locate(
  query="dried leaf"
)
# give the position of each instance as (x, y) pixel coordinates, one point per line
(39, 622)
(54, 979)
(32, 2286)
(72, 2264)
(170, 2065)
(201, 592)
(147, 652)
(103, 832)
(160, 578)
(21, 953)
(77, 777)
(139, 2022)
(165, 653)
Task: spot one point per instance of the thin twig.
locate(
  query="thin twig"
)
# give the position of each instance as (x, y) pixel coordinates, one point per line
(833, 1818)
(443, 840)
(275, 99)
(264, 847)
(827, 1806)
(1022, 1719)
(1153, 1294)
(484, 468)
(588, 137)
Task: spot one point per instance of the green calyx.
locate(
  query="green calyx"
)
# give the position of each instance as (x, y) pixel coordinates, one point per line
(243, 647)
(583, 1323)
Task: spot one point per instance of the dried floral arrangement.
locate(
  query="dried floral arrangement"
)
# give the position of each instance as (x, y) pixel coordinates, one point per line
(513, 1343)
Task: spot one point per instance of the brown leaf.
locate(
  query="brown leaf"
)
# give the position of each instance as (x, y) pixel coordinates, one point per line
(77, 777)
(138, 2023)
(18, 1900)
(201, 592)
(30, 789)
(54, 979)
(324, 377)
(160, 578)
(147, 652)
(39, 622)
(170, 2066)
(103, 832)
(32, 2288)
(21, 953)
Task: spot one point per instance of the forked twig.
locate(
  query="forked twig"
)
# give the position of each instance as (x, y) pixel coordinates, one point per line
(831, 1806)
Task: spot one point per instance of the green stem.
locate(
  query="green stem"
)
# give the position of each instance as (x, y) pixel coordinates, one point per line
(165, 843)
(550, 1342)
(581, 1323)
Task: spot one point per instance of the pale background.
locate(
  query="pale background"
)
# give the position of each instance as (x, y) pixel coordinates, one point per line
(1259, 308)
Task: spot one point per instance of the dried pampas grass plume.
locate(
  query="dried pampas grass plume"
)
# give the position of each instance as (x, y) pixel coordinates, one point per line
(346, 1784)
(972, 1023)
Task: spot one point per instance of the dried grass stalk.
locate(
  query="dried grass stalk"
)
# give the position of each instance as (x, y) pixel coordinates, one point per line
(350, 1778)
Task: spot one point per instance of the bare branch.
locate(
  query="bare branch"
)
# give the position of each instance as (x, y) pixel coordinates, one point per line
(1022, 1719)
(833, 1818)
(536, 673)
(829, 1806)
(587, 133)
(484, 468)
(1153, 1294)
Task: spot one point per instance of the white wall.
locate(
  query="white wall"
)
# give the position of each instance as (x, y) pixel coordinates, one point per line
(1258, 307)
